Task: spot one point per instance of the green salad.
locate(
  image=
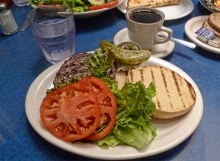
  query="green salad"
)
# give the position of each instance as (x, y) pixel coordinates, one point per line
(77, 5)
(134, 105)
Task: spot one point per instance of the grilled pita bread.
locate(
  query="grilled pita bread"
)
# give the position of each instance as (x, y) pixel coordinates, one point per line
(175, 96)
(150, 3)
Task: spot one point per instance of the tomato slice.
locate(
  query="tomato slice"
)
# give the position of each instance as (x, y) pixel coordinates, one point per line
(106, 5)
(107, 103)
(71, 112)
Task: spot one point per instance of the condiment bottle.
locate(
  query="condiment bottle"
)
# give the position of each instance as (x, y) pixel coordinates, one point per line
(7, 21)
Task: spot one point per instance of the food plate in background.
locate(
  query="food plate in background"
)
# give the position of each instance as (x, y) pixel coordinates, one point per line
(90, 14)
(192, 26)
(209, 4)
(170, 133)
(172, 12)
(160, 50)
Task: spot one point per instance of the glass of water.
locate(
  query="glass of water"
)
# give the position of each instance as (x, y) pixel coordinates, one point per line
(53, 27)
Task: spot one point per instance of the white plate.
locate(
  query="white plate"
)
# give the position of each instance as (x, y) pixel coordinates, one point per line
(208, 4)
(170, 133)
(172, 12)
(160, 50)
(192, 26)
(89, 14)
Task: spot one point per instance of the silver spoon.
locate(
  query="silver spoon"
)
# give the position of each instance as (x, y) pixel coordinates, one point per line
(183, 42)
(133, 44)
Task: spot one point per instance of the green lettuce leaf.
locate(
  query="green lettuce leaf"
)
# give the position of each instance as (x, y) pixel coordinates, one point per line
(109, 140)
(77, 5)
(133, 119)
(100, 62)
(135, 106)
(36, 2)
(133, 125)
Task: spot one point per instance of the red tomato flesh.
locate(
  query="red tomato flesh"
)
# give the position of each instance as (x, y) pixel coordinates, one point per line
(71, 112)
(106, 5)
(107, 103)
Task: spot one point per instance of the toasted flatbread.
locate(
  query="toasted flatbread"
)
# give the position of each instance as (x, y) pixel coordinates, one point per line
(175, 96)
(150, 3)
(214, 21)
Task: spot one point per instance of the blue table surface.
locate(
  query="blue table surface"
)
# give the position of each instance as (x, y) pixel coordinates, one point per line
(21, 61)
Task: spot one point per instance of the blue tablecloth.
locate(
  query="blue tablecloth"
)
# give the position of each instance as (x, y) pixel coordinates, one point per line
(21, 61)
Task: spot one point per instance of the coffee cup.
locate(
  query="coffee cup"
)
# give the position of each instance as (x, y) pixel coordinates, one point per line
(144, 25)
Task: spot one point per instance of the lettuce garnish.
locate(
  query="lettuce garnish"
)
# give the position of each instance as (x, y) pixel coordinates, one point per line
(133, 125)
(135, 106)
(99, 63)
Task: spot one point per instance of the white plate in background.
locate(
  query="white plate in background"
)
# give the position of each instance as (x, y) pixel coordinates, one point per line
(160, 50)
(209, 4)
(89, 14)
(192, 26)
(170, 133)
(172, 12)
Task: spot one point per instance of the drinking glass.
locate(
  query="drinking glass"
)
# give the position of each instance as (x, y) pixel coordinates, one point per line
(53, 27)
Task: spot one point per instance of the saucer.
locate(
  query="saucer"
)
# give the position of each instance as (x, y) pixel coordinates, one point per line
(160, 50)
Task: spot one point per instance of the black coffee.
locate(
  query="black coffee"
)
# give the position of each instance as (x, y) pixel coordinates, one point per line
(145, 16)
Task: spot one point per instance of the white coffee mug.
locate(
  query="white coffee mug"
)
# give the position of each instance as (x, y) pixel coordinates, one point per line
(144, 25)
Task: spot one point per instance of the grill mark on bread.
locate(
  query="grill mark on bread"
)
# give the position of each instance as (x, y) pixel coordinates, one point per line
(189, 93)
(152, 74)
(174, 97)
(155, 97)
(132, 76)
(192, 92)
(142, 75)
(176, 82)
(161, 92)
(166, 92)
(164, 79)
(166, 87)
(175, 76)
